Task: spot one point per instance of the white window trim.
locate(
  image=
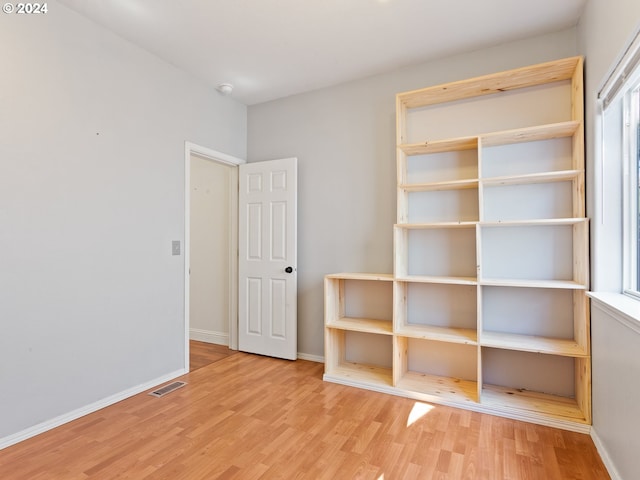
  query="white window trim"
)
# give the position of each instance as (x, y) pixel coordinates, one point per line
(617, 78)
(622, 308)
(622, 84)
(630, 189)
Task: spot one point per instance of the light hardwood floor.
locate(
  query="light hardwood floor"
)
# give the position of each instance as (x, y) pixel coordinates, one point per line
(202, 354)
(252, 417)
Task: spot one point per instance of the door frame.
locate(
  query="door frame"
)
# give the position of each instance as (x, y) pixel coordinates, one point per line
(231, 161)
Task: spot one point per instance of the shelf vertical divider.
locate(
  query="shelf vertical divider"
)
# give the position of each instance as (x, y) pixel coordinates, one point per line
(583, 386)
(481, 217)
(479, 339)
(479, 291)
(581, 320)
(401, 162)
(334, 299)
(335, 349)
(400, 358)
(399, 365)
(400, 251)
(480, 183)
(581, 252)
(400, 247)
(399, 305)
(478, 255)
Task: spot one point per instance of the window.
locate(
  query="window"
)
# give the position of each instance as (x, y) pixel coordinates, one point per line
(631, 168)
(617, 237)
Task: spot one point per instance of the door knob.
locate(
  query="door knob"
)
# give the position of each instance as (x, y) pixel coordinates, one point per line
(288, 269)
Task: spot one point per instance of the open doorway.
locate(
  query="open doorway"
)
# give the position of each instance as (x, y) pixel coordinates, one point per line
(211, 239)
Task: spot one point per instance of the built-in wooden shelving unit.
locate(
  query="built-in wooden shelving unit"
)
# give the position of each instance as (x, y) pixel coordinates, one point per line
(486, 308)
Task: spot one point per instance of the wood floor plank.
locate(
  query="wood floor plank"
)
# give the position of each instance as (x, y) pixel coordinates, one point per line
(203, 353)
(251, 417)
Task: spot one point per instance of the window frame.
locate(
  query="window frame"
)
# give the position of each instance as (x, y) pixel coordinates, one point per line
(621, 91)
(631, 195)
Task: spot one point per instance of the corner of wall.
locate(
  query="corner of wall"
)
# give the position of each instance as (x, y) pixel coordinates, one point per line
(604, 455)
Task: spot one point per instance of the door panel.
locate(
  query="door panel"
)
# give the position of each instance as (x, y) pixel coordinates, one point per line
(267, 246)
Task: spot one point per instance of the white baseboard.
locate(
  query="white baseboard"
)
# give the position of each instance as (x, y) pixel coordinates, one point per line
(209, 336)
(82, 411)
(604, 455)
(311, 358)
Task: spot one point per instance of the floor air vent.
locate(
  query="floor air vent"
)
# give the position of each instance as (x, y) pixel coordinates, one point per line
(162, 391)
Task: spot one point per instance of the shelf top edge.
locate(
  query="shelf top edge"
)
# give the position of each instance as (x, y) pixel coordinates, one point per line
(530, 134)
(459, 336)
(527, 177)
(539, 177)
(550, 222)
(556, 284)
(491, 139)
(532, 343)
(441, 280)
(418, 226)
(529, 76)
(387, 277)
(534, 223)
(440, 145)
(463, 182)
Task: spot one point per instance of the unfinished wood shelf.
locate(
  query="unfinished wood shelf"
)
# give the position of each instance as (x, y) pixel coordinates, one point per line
(362, 375)
(487, 307)
(436, 186)
(545, 177)
(357, 357)
(363, 310)
(535, 407)
(531, 343)
(433, 388)
(441, 311)
(441, 370)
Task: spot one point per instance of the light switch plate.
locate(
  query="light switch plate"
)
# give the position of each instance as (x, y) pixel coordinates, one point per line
(175, 247)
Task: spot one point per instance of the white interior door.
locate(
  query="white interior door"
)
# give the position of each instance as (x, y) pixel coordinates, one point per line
(267, 293)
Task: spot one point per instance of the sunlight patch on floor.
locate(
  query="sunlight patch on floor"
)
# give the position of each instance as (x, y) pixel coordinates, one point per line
(418, 411)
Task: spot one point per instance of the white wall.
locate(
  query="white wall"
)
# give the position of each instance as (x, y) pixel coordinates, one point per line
(344, 138)
(92, 133)
(615, 390)
(604, 30)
